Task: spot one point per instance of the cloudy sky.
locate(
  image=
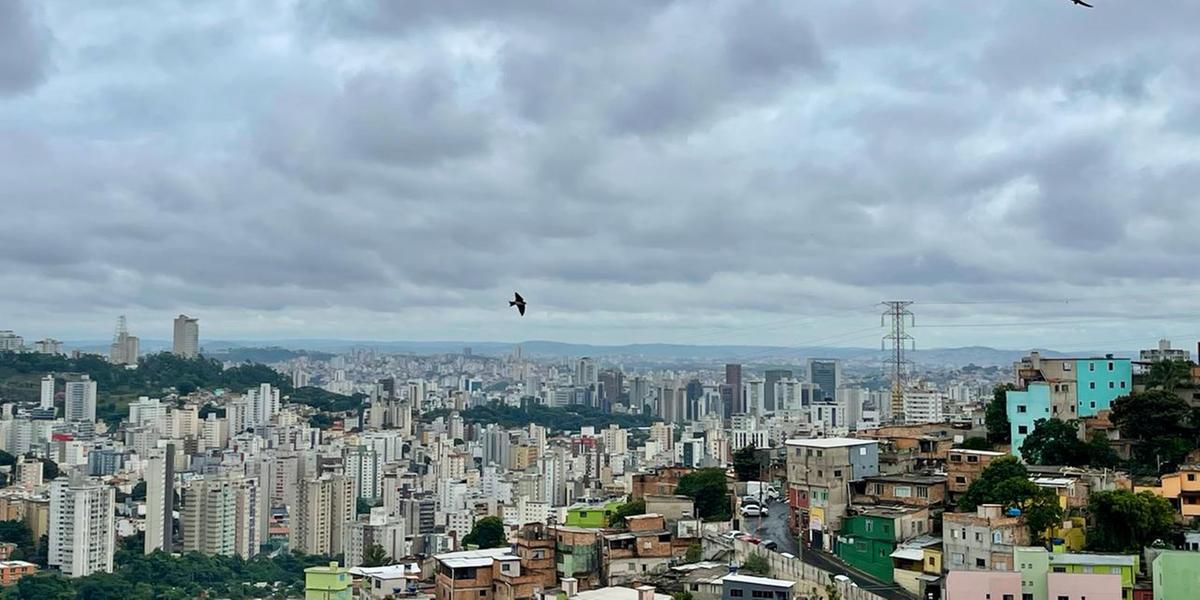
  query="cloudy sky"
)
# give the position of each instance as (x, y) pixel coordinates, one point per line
(697, 172)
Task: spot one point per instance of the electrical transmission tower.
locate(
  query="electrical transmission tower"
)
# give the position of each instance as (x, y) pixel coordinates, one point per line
(896, 362)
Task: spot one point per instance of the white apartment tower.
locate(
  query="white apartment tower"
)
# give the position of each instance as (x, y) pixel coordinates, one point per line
(186, 341)
(261, 404)
(81, 400)
(82, 535)
(160, 498)
(362, 466)
(47, 396)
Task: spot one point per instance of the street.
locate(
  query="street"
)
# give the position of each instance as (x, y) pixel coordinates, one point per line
(774, 527)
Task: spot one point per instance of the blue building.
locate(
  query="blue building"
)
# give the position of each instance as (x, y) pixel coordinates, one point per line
(1064, 388)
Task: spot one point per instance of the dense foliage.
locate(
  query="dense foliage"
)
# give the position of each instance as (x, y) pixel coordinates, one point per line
(1006, 482)
(566, 418)
(629, 509)
(708, 488)
(756, 564)
(155, 375)
(161, 576)
(488, 532)
(1055, 442)
(975, 443)
(1162, 427)
(1122, 521)
(746, 464)
(996, 417)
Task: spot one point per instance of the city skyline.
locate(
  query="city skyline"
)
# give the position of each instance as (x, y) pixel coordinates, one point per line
(288, 169)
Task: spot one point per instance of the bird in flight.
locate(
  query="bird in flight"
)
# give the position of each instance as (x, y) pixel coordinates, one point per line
(1082, 3)
(518, 302)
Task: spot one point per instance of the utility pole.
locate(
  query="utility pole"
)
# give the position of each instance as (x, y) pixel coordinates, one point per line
(896, 362)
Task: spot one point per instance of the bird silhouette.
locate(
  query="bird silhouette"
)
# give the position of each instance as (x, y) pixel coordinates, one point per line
(518, 302)
(1082, 3)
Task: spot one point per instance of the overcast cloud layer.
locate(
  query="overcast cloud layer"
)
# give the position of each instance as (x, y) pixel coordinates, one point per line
(696, 172)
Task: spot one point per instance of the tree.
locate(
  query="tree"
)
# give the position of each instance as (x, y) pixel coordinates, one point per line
(708, 488)
(7, 460)
(49, 469)
(757, 564)
(16, 532)
(139, 491)
(975, 443)
(1006, 482)
(41, 586)
(746, 465)
(488, 532)
(1123, 521)
(996, 417)
(1167, 375)
(629, 509)
(831, 590)
(1055, 442)
(684, 595)
(375, 556)
(1160, 425)
(694, 553)
(1100, 452)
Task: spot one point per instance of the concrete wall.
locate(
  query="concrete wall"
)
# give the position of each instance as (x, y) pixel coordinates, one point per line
(811, 579)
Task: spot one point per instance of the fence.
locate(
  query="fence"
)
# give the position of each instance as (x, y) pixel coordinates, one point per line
(811, 579)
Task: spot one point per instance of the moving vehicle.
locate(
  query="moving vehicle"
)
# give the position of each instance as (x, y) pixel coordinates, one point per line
(748, 500)
(769, 544)
(762, 489)
(754, 510)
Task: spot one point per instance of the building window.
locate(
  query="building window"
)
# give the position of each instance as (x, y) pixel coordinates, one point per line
(1122, 385)
(972, 459)
(923, 491)
(1022, 429)
(837, 472)
(862, 451)
(1008, 597)
(1110, 366)
(1021, 408)
(930, 561)
(1059, 569)
(1091, 366)
(482, 593)
(902, 491)
(1091, 385)
(1111, 385)
(736, 593)
(997, 537)
(955, 458)
(819, 454)
(1191, 476)
(1026, 596)
(1067, 366)
(960, 479)
(978, 536)
(981, 563)
(869, 526)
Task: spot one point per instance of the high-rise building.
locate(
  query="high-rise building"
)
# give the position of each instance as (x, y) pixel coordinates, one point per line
(323, 508)
(612, 382)
(222, 514)
(124, 349)
(672, 401)
(48, 346)
(827, 374)
(81, 400)
(770, 378)
(381, 530)
(753, 396)
(261, 404)
(82, 536)
(10, 342)
(585, 372)
(47, 395)
(639, 390)
(362, 466)
(733, 379)
(186, 341)
(160, 499)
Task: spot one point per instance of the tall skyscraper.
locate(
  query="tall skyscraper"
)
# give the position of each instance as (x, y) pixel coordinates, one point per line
(585, 372)
(186, 342)
(80, 400)
(160, 499)
(827, 374)
(612, 383)
(770, 377)
(362, 466)
(47, 395)
(323, 509)
(672, 401)
(124, 349)
(262, 405)
(82, 536)
(733, 379)
(222, 514)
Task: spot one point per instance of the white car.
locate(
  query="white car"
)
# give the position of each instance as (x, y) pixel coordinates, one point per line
(754, 511)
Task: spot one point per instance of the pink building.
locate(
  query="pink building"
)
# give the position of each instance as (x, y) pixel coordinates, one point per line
(986, 585)
(1081, 586)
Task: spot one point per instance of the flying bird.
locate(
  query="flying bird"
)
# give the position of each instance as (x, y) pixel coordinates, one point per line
(1082, 3)
(518, 302)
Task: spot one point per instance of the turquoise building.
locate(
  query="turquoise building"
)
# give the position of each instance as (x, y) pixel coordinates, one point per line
(1025, 407)
(1074, 389)
(1100, 381)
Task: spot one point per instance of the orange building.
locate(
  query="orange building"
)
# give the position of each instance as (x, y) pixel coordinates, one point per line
(12, 570)
(964, 466)
(1181, 488)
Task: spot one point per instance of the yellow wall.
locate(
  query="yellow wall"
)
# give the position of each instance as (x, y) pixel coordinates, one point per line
(936, 567)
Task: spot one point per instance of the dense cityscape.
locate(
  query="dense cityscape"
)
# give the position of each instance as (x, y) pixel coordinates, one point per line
(460, 475)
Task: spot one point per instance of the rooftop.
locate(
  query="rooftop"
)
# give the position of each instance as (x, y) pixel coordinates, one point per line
(779, 583)
(908, 478)
(388, 572)
(472, 558)
(833, 442)
(615, 593)
(1113, 560)
(978, 452)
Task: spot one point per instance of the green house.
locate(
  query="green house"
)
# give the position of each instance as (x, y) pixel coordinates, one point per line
(593, 516)
(327, 583)
(1176, 575)
(867, 542)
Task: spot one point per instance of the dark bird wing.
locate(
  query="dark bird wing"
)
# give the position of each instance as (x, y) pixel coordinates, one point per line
(1081, 2)
(521, 308)
(518, 298)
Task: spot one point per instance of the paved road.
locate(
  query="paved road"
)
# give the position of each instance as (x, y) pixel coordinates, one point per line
(831, 564)
(774, 527)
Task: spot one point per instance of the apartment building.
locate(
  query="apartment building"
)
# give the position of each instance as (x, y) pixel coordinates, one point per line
(820, 472)
(983, 540)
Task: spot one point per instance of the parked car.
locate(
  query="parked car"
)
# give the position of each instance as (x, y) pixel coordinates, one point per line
(754, 510)
(748, 500)
(733, 534)
(769, 544)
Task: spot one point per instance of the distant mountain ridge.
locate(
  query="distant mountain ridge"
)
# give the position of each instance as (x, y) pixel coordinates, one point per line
(979, 355)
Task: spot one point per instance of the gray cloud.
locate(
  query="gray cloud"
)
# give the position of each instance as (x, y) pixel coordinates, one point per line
(640, 171)
(24, 47)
